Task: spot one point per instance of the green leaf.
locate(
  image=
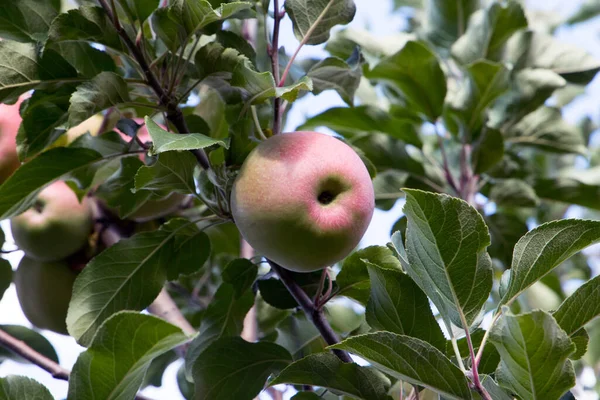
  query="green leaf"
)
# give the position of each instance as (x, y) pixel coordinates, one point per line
(530, 89)
(411, 360)
(335, 74)
(513, 193)
(172, 172)
(488, 32)
(241, 273)
(322, 14)
(87, 60)
(327, 371)
(544, 248)
(111, 282)
(223, 318)
(24, 68)
(114, 365)
(416, 72)
(33, 339)
(105, 90)
(446, 20)
(579, 308)
(484, 82)
(42, 114)
(490, 358)
(169, 141)
(299, 336)
(232, 368)
(488, 150)
(494, 389)
(18, 193)
(589, 9)
(568, 190)
(28, 20)
(5, 275)
(446, 240)
(546, 129)
(533, 351)
(352, 121)
(506, 230)
(140, 9)
(15, 387)
(196, 14)
(118, 190)
(191, 248)
(275, 293)
(87, 23)
(529, 49)
(353, 279)
(398, 305)
(291, 92)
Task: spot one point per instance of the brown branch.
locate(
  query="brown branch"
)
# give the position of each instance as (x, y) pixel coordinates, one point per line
(250, 330)
(274, 54)
(174, 114)
(315, 315)
(22, 349)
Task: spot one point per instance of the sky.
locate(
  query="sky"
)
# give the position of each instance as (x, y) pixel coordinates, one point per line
(378, 18)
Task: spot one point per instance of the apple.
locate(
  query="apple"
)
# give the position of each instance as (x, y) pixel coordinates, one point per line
(44, 291)
(303, 200)
(153, 209)
(56, 226)
(10, 120)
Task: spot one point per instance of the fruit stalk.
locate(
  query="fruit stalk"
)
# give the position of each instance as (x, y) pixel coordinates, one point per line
(315, 315)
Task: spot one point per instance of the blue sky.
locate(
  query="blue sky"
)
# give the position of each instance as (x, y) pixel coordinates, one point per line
(376, 16)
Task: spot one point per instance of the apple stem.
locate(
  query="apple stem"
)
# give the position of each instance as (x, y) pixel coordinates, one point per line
(22, 349)
(314, 314)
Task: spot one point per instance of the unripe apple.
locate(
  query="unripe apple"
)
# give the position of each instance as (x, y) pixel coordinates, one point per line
(44, 291)
(153, 209)
(303, 200)
(56, 226)
(10, 119)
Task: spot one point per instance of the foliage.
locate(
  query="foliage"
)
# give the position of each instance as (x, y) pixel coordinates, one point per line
(459, 116)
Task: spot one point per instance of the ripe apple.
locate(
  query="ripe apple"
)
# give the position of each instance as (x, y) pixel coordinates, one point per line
(10, 119)
(303, 200)
(44, 291)
(56, 226)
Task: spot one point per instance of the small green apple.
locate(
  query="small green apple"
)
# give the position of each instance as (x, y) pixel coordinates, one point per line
(44, 292)
(10, 119)
(303, 200)
(56, 226)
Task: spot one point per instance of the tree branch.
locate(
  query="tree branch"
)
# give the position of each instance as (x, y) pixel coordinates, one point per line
(174, 114)
(22, 349)
(315, 315)
(274, 54)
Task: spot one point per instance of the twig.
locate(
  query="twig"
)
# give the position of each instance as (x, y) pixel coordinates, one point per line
(22, 349)
(303, 42)
(250, 330)
(316, 316)
(174, 113)
(446, 167)
(274, 54)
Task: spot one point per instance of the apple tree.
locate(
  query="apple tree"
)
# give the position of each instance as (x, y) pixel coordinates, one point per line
(124, 134)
